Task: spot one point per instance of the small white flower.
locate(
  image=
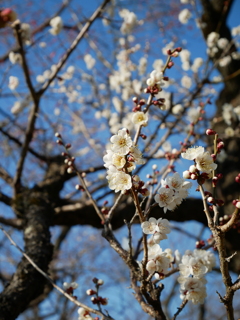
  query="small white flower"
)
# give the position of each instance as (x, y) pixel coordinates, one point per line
(184, 16)
(57, 25)
(193, 289)
(204, 162)
(15, 57)
(222, 43)
(140, 118)
(225, 61)
(121, 142)
(192, 153)
(137, 155)
(89, 60)
(165, 199)
(120, 181)
(13, 83)
(186, 82)
(177, 109)
(212, 39)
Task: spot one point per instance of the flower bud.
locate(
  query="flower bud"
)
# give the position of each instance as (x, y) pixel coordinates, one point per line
(210, 132)
(193, 169)
(186, 174)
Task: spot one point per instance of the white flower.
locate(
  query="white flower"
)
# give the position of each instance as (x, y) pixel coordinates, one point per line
(15, 57)
(197, 63)
(89, 60)
(193, 114)
(207, 258)
(156, 78)
(165, 199)
(84, 314)
(26, 32)
(193, 289)
(192, 266)
(121, 142)
(235, 31)
(72, 285)
(225, 61)
(130, 20)
(185, 55)
(192, 153)
(137, 155)
(186, 82)
(57, 25)
(204, 162)
(222, 43)
(140, 118)
(159, 262)
(184, 16)
(13, 83)
(178, 108)
(115, 159)
(159, 228)
(212, 39)
(120, 181)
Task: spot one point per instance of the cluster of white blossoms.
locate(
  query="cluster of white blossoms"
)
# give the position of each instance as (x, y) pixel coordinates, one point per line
(156, 79)
(159, 261)
(57, 25)
(174, 189)
(203, 161)
(130, 20)
(158, 228)
(193, 267)
(121, 80)
(120, 160)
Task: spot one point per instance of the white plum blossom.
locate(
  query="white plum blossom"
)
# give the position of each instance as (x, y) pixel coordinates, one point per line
(192, 153)
(119, 181)
(136, 154)
(204, 162)
(193, 289)
(89, 60)
(83, 314)
(225, 61)
(212, 39)
(156, 78)
(184, 16)
(158, 260)
(235, 31)
(197, 63)
(222, 43)
(191, 265)
(142, 65)
(186, 82)
(15, 58)
(177, 109)
(194, 114)
(165, 199)
(228, 113)
(130, 20)
(13, 83)
(140, 118)
(57, 25)
(121, 142)
(158, 228)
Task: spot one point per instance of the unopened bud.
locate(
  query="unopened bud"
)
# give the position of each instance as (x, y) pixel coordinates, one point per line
(210, 132)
